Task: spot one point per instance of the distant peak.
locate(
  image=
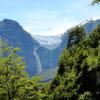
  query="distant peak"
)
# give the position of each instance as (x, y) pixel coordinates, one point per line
(11, 23)
(49, 42)
(7, 20)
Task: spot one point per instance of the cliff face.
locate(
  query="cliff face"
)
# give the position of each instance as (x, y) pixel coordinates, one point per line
(16, 36)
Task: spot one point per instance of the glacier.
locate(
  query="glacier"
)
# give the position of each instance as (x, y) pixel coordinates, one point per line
(49, 42)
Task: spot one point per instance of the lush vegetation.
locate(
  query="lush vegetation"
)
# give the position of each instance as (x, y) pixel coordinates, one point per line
(78, 76)
(95, 1)
(14, 81)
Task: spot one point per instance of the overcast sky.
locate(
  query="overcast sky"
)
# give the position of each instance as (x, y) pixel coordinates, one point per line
(48, 17)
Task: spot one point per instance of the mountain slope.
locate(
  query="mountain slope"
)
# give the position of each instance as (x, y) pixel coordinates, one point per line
(42, 49)
(16, 36)
(49, 42)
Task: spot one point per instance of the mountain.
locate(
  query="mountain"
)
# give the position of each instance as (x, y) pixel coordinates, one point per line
(49, 50)
(49, 42)
(79, 68)
(90, 25)
(41, 53)
(52, 46)
(16, 36)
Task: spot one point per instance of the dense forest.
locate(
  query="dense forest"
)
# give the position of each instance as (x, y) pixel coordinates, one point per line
(78, 76)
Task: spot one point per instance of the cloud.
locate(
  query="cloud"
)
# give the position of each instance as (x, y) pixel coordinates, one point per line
(53, 22)
(47, 23)
(48, 17)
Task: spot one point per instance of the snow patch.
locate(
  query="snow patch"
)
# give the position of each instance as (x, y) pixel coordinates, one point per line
(49, 42)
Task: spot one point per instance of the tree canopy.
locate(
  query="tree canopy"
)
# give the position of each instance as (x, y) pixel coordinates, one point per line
(95, 1)
(79, 70)
(15, 84)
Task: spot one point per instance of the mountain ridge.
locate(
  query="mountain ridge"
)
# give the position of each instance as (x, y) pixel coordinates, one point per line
(47, 52)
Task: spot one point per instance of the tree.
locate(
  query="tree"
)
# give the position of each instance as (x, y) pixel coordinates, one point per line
(12, 74)
(78, 76)
(15, 83)
(95, 1)
(75, 35)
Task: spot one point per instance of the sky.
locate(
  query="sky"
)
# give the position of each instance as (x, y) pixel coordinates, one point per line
(48, 17)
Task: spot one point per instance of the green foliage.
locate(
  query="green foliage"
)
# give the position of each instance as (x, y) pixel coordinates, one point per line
(78, 76)
(12, 73)
(78, 70)
(14, 81)
(85, 96)
(95, 1)
(75, 35)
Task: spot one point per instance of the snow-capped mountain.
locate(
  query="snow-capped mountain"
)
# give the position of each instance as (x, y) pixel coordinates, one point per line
(40, 53)
(49, 42)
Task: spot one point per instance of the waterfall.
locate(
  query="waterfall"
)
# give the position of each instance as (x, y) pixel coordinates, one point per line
(51, 59)
(38, 62)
